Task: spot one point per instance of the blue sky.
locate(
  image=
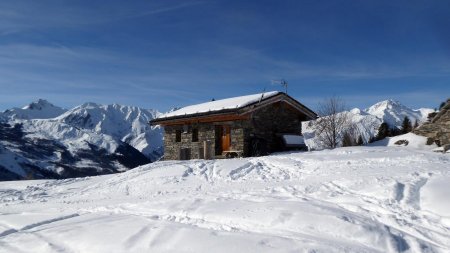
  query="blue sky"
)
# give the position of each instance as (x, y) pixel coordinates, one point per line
(161, 54)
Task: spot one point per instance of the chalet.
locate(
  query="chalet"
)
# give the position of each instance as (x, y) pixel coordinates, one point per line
(250, 125)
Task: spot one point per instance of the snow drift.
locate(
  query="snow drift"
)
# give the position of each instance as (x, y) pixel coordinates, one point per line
(358, 199)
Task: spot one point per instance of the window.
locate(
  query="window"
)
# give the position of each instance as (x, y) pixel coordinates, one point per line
(194, 134)
(178, 135)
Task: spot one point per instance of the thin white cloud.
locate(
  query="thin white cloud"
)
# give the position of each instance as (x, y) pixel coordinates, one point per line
(18, 16)
(88, 72)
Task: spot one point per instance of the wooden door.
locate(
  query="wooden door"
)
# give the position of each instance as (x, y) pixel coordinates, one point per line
(226, 138)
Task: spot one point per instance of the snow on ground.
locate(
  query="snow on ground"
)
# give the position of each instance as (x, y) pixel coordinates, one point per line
(413, 141)
(358, 199)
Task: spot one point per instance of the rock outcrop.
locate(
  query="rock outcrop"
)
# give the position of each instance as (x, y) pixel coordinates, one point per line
(438, 129)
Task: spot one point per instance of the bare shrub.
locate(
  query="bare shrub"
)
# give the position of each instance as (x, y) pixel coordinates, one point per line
(333, 122)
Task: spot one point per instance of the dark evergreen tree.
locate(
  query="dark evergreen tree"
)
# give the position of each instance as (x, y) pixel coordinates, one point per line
(394, 131)
(416, 124)
(441, 105)
(383, 131)
(347, 140)
(406, 125)
(360, 141)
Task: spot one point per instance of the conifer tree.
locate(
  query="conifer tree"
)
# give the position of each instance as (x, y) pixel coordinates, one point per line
(406, 125)
(360, 141)
(383, 131)
(347, 140)
(416, 124)
(394, 131)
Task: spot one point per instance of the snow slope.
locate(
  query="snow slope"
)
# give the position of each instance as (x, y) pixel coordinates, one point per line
(358, 199)
(414, 141)
(40, 109)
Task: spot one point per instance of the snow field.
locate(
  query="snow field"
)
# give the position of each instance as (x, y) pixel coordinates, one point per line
(359, 199)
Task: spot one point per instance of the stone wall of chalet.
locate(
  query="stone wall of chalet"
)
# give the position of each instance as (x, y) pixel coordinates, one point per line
(264, 123)
(278, 118)
(206, 132)
(172, 148)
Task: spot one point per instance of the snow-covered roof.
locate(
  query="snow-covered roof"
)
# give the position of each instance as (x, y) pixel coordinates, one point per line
(218, 105)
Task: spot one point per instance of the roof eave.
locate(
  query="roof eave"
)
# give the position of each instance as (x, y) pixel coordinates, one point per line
(237, 110)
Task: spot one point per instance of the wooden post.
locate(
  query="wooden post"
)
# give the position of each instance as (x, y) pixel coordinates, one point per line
(207, 150)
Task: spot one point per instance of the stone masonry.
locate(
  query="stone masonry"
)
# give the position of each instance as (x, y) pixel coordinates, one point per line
(264, 123)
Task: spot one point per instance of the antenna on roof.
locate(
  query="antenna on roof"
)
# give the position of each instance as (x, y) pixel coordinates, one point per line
(281, 82)
(262, 95)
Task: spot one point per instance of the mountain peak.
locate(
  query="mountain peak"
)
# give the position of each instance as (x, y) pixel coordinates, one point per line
(39, 109)
(38, 105)
(389, 103)
(393, 112)
(88, 105)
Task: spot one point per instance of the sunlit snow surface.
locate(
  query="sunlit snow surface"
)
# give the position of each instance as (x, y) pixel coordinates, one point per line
(360, 199)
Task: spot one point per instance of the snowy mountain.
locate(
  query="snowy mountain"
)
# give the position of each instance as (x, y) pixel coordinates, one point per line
(36, 149)
(366, 122)
(89, 139)
(393, 112)
(125, 123)
(40, 109)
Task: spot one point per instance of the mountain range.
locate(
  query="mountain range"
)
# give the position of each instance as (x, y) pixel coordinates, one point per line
(42, 140)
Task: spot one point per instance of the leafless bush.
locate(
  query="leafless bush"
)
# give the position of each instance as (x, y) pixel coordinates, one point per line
(333, 123)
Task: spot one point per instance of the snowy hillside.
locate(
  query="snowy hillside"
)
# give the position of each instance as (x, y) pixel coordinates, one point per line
(126, 123)
(358, 199)
(90, 139)
(366, 122)
(40, 109)
(34, 149)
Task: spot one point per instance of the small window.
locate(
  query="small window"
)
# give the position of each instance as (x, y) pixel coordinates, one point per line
(194, 134)
(178, 135)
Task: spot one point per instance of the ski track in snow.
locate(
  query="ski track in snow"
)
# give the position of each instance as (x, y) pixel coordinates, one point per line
(361, 199)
